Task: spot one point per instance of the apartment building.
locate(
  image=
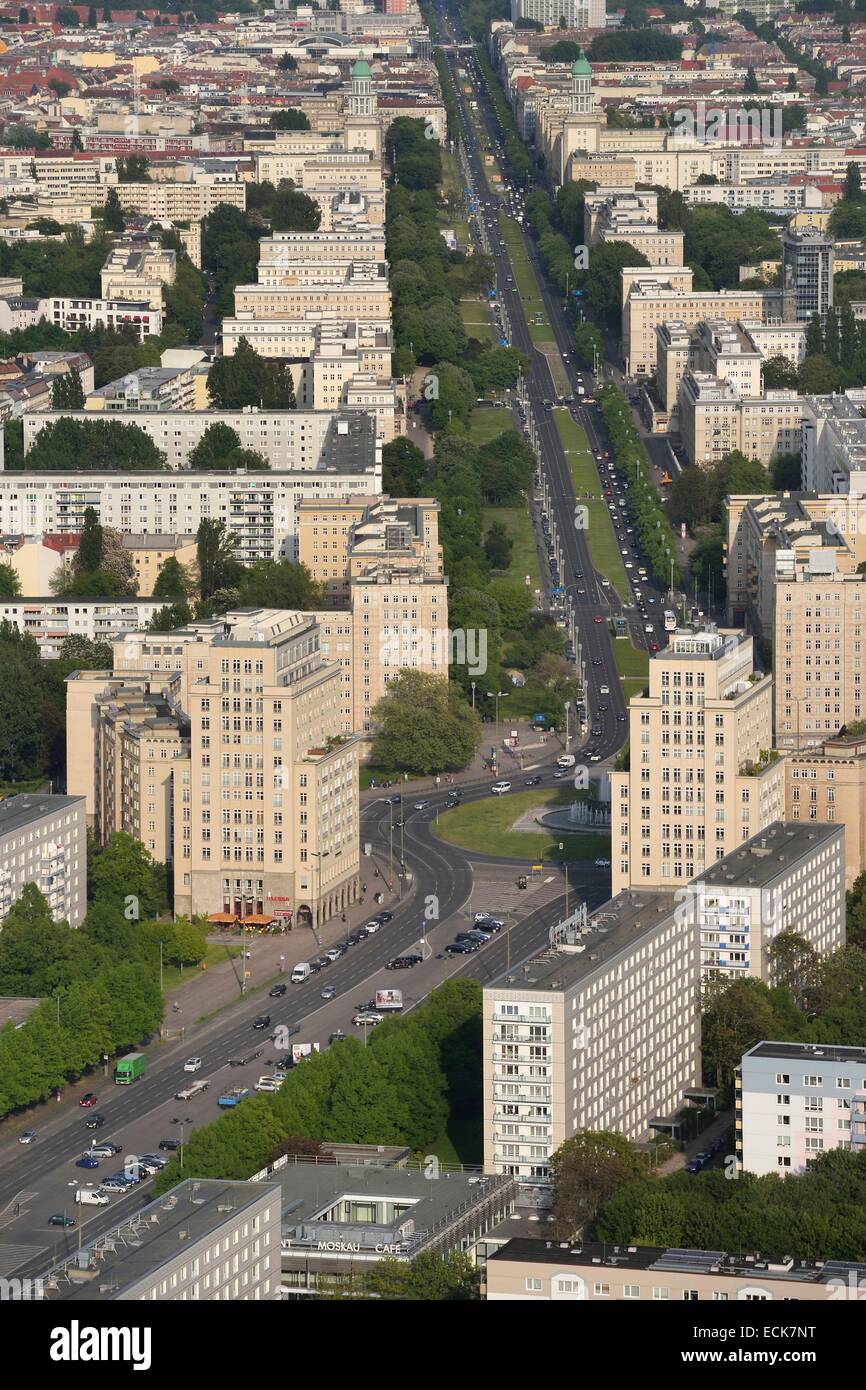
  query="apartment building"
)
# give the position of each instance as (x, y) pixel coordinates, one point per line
(600, 1034)
(715, 418)
(817, 645)
(37, 559)
(558, 14)
(283, 251)
(51, 620)
(544, 1270)
(265, 805)
(698, 733)
(73, 315)
(258, 509)
(632, 217)
(339, 540)
(368, 343)
(345, 209)
(650, 302)
(154, 388)
(807, 273)
(780, 195)
(833, 444)
(204, 1240)
(828, 783)
(362, 292)
(797, 1100)
(149, 554)
(772, 536)
(138, 275)
(179, 202)
(301, 440)
(788, 878)
(137, 736)
(43, 841)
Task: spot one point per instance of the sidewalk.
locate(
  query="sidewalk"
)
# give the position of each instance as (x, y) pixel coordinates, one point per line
(712, 1132)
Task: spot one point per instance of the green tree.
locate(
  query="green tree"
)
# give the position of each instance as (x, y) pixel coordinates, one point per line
(498, 546)
(90, 547)
(779, 373)
(428, 1278)
(86, 653)
(586, 1171)
(172, 616)
(215, 448)
(737, 1017)
(289, 118)
(215, 552)
(112, 212)
(22, 730)
(76, 143)
(172, 583)
(786, 472)
(10, 583)
(817, 376)
(403, 468)
(287, 63)
(751, 86)
(292, 211)
(246, 379)
(603, 279)
(108, 446)
(124, 876)
(795, 966)
(853, 189)
(92, 20)
(423, 725)
(279, 584)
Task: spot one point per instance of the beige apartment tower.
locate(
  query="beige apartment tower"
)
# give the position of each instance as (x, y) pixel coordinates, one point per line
(703, 775)
(817, 653)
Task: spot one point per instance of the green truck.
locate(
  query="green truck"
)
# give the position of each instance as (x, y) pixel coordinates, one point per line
(130, 1068)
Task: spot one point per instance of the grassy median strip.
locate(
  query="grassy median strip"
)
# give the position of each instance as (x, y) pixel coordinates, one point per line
(476, 320)
(603, 544)
(537, 321)
(631, 661)
(485, 827)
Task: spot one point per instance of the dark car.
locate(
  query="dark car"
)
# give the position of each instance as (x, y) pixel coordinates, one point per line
(87, 1161)
(461, 948)
(263, 1021)
(695, 1166)
(384, 917)
(532, 781)
(89, 1100)
(489, 925)
(94, 1122)
(338, 1036)
(322, 963)
(395, 800)
(169, 1145)
(277, 991)
(245, 1058)
(61, 1220)
(356, 937)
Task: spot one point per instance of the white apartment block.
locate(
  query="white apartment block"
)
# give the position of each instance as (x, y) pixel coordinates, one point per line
(788, 878)
(259, 509)
(833, 445)
(180, 202)
(820, 624)
(602, 1034)
(52, 620)
(714, 417)
(775, 197)
(43, 840)
(74, 314)
(650, 301)
(300, 440)
(797, 1100)
(284, 250)
(577, 14)
(363, 291)
(698, 785)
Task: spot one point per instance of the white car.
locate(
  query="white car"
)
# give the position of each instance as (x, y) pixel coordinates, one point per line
(334, 954)
(604, 690)
(266, 1083)
(372, 927)
(360, 1020)
(499, 788)
(192, 1064)
(27, 1136)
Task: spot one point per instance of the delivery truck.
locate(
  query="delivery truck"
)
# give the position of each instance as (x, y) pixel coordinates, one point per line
(130, 1068)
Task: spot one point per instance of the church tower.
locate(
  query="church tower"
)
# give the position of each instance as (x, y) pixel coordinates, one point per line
(581, 100)
(361, 100)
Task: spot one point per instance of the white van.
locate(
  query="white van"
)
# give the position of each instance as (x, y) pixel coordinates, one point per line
(300, 972)
(92, 1197)
(565, 760)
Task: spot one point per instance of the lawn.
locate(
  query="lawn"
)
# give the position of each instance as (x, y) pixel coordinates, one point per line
(603, 545)
(630, 660)
(476, 320)
(453, 214)
(382, 774)
(524, 557)
(217, 952)
(30, 784)
(485, 827)
(486, 422)
(632, 686)
(462, 1142)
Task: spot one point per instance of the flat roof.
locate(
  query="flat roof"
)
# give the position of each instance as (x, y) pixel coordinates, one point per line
(828, 1052)
(770, 853)
(190, 1212)
(27, 807)
(673, 1260)
(617, 924)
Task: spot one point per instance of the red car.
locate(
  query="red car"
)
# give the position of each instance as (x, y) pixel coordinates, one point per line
(89, 1100)
(599, 618)
(654, 646)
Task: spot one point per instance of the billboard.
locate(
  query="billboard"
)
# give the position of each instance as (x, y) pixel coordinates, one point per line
(389, 999)
(302, 1050)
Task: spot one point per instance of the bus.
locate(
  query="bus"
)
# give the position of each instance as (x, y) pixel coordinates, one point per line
(670, 621)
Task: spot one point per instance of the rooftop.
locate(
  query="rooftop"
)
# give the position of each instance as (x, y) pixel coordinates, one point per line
(795, 1051)
(770, 854)
(18, 811)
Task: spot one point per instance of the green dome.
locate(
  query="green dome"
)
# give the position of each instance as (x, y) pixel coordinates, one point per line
(581, 67)
(361, 69)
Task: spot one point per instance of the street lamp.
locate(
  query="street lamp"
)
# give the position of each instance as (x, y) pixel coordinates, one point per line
(500, 695)
(567, 734)
(472, 683)
(565, 865)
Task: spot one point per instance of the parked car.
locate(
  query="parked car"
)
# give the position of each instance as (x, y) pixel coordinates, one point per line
(277, 991)
(403, 962)
(60, 1219)
(384, 917)
(263, 1021)
(460, 948)
(89, 1100)
(694, 1167)
(266, 1084)
(368, 1017)
(106, 1150)
(169, 1145)
(338, 1036)
(334, 954)
(87, 1161)
(115, 1184)
(372, 926)
(154, 1160)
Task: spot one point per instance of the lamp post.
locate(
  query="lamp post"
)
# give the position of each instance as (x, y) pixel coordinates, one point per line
(567, 734)
(472, 683)
(565, 866)
(500, 695)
